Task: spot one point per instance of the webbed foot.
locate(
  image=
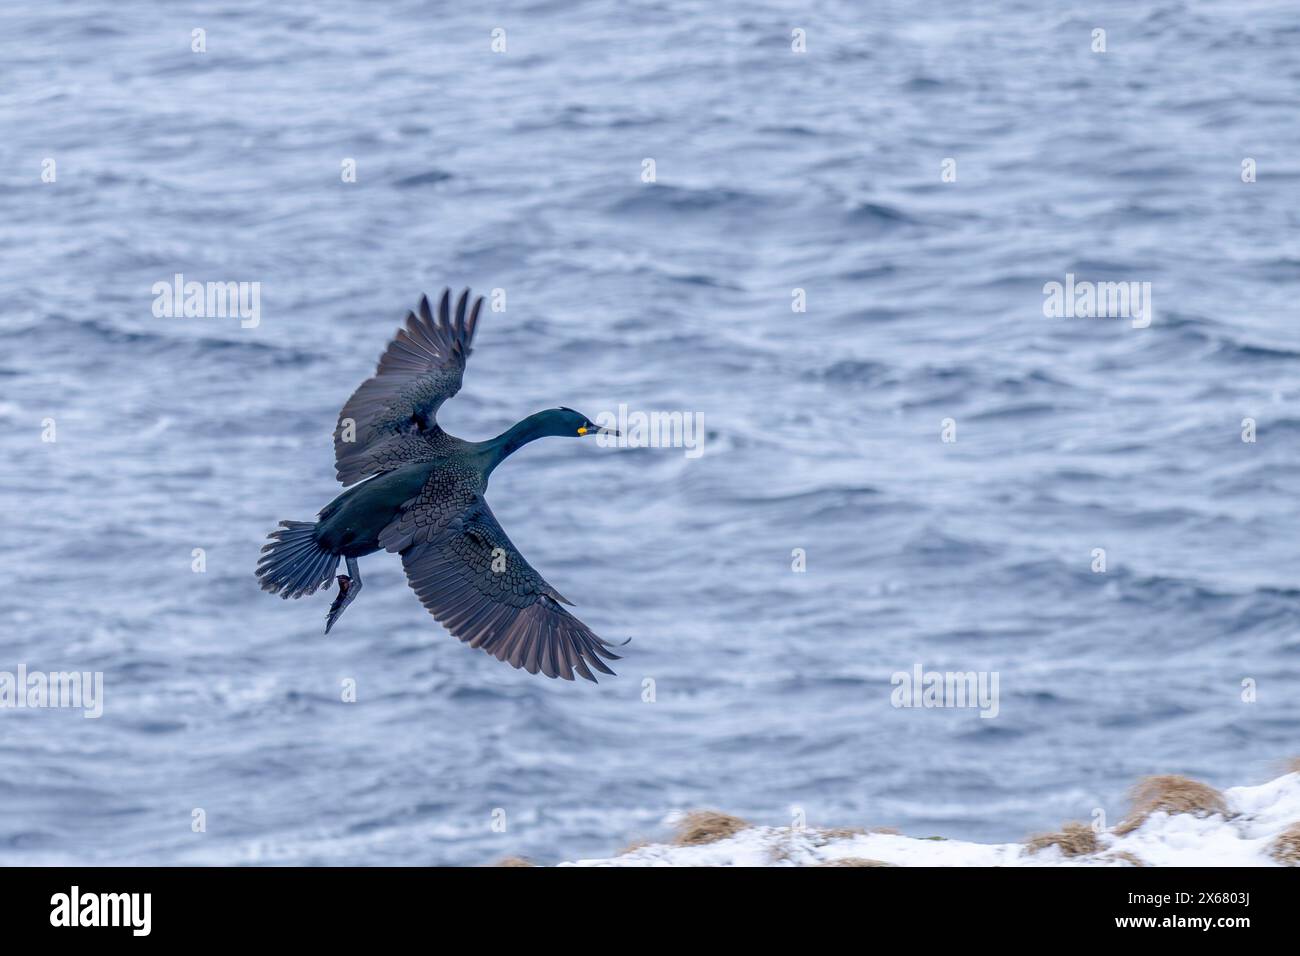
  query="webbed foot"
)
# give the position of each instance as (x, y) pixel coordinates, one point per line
(349, 588)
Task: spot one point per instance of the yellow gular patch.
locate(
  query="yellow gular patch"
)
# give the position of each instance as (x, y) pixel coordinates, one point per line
(582, 430)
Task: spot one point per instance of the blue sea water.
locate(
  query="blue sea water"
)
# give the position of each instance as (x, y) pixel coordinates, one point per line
(774, 171)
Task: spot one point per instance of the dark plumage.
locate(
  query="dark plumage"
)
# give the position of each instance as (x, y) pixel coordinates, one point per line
(422, 497)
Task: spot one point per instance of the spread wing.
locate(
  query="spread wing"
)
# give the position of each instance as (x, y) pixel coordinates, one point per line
(477, 584)
(387, 419)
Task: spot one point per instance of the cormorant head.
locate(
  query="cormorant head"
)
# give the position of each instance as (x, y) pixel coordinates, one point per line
(568, 422)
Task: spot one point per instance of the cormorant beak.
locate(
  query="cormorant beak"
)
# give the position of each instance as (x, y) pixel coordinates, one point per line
(597, 430)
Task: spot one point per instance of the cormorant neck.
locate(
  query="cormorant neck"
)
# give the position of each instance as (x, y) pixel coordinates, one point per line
(516, 437)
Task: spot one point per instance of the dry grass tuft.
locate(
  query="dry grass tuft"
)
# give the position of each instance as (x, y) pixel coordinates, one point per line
(854, 861)
(781, 849)
(848, 833)
(1073, 839)
(1291, 766)
(1124, 855)
(633, 847)
(836, 833)
(1172, 794)
(707, 826)
(1286, 848)
(514, 861)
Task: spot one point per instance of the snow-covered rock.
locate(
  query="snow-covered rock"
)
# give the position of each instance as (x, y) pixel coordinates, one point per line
(1250, 834)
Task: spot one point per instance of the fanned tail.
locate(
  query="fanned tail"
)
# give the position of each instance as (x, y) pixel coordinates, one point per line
(293, 562)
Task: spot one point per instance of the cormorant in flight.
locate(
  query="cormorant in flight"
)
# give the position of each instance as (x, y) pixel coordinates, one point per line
(422, 498)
